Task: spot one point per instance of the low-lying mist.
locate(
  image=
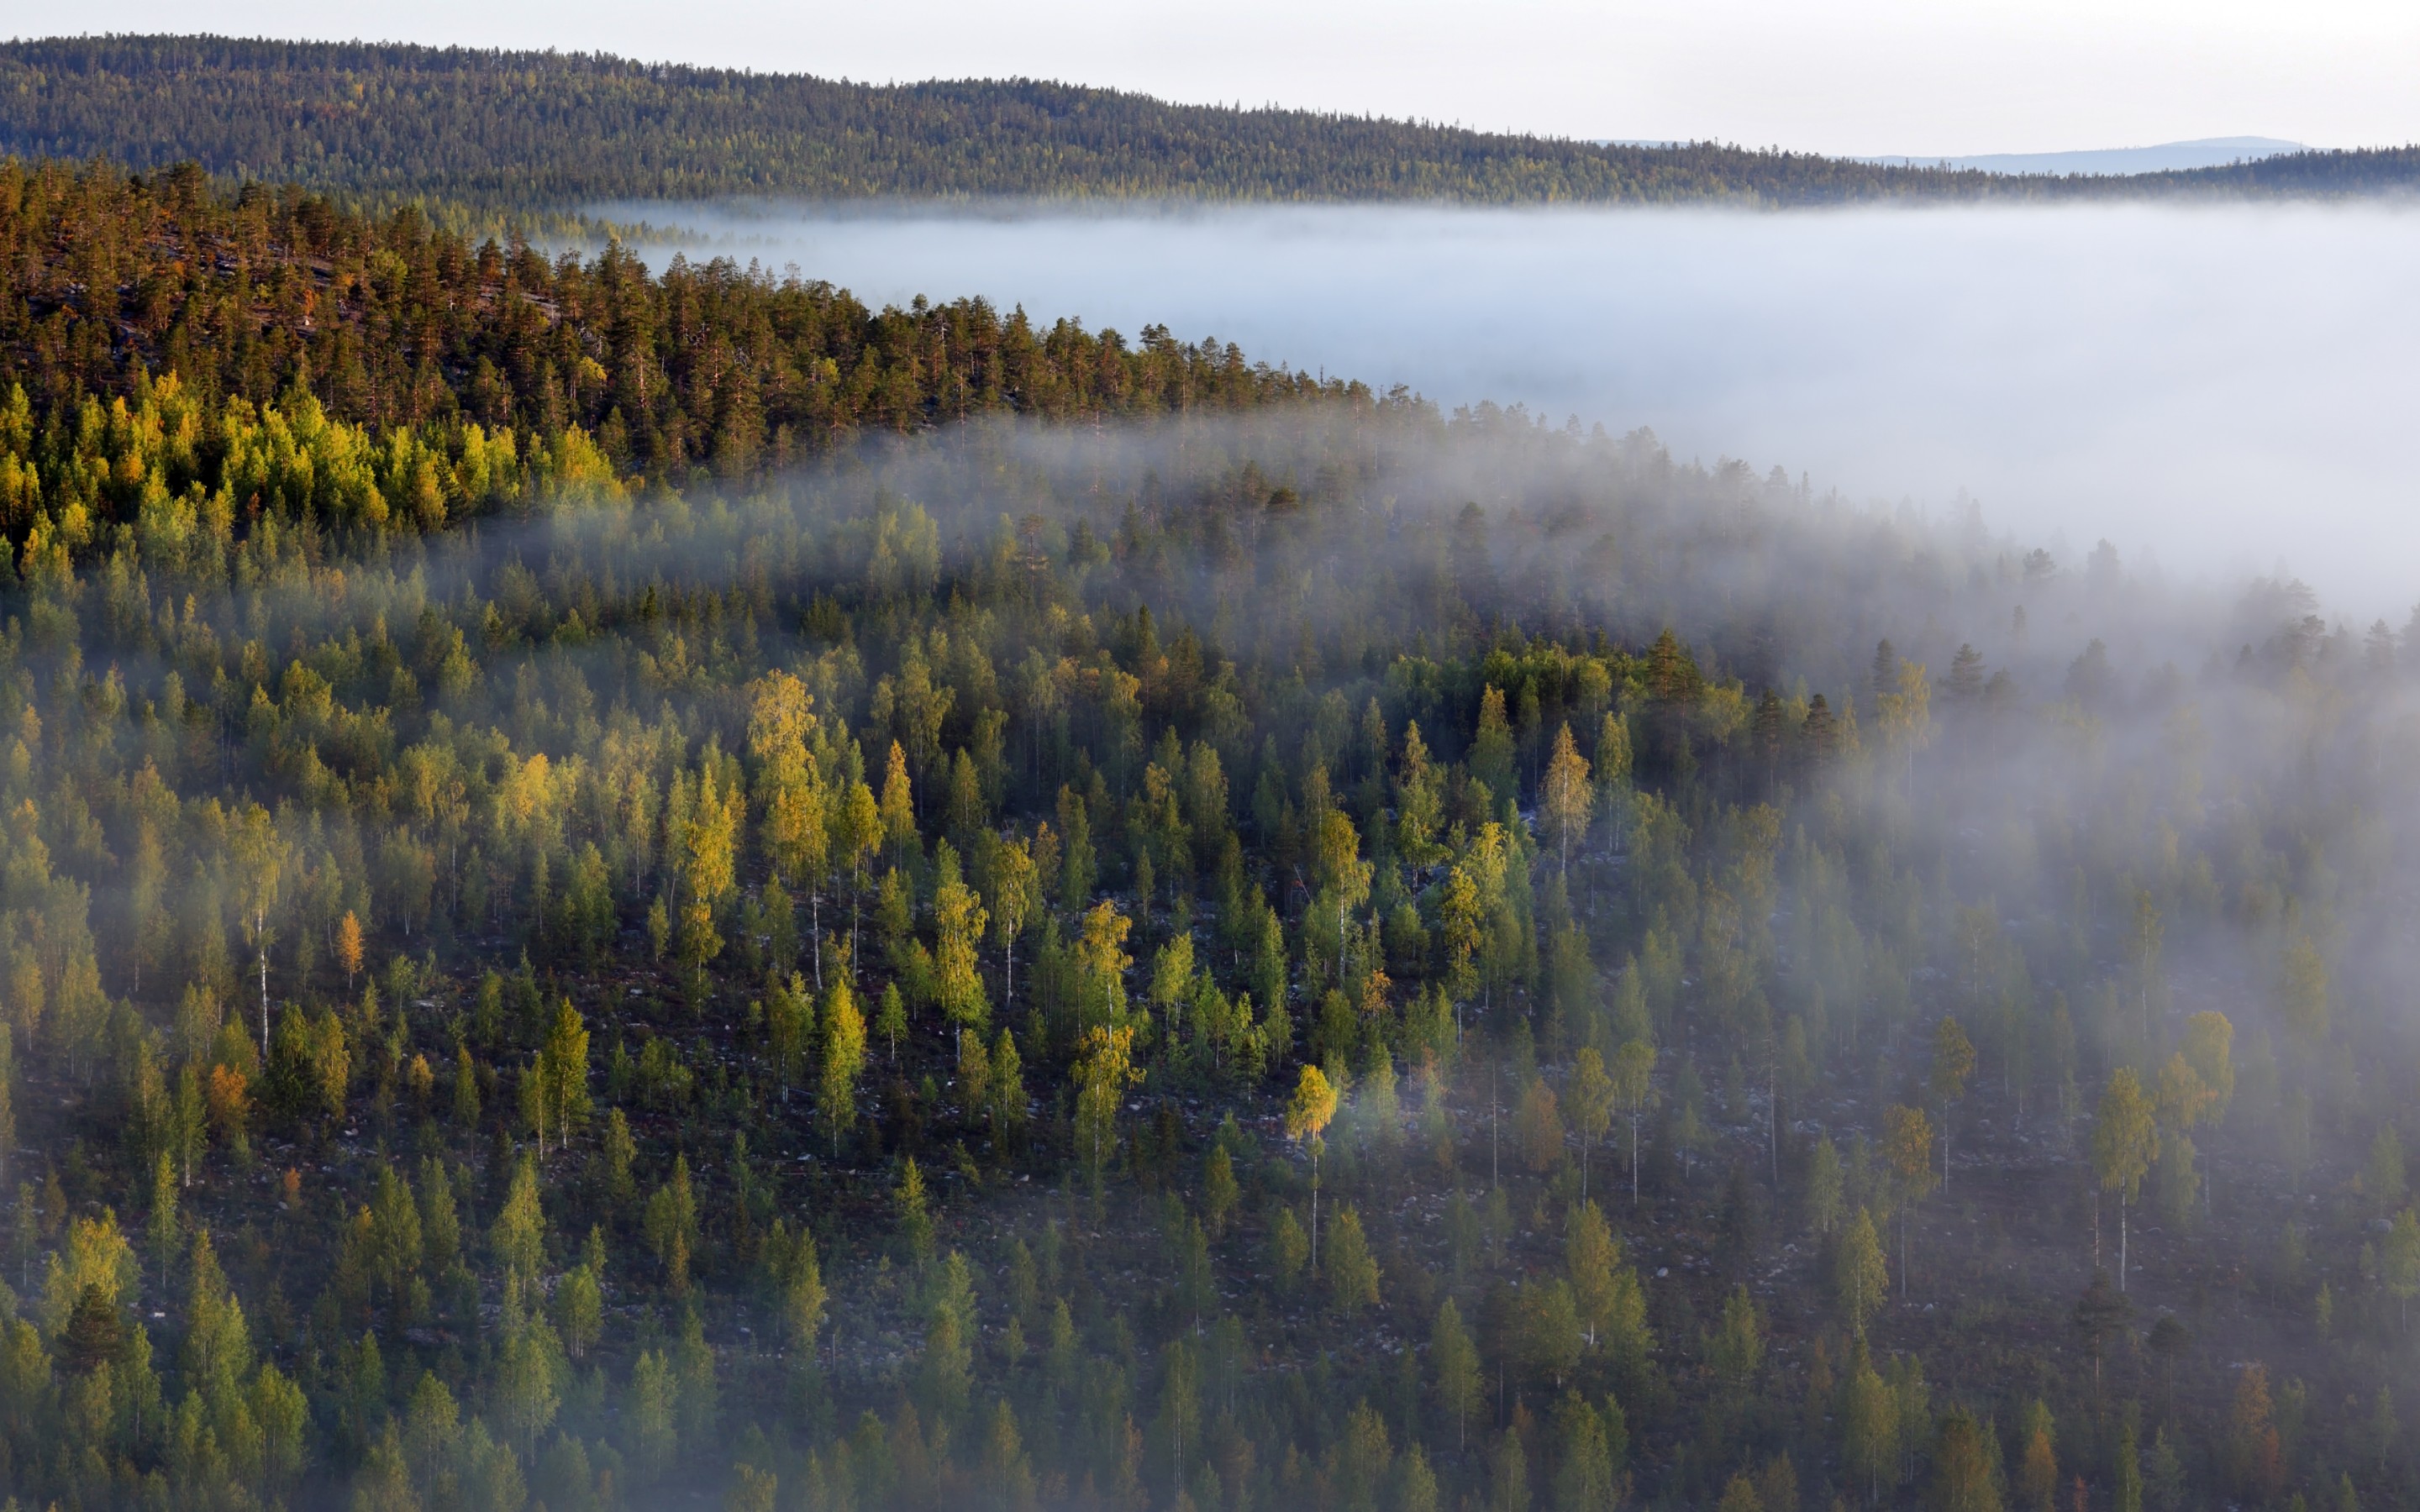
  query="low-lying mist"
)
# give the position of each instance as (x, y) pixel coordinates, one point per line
(2218, 388)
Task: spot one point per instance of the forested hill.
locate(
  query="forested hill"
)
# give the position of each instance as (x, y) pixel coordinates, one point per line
(520, 132)
(441, 376)
(1196, 940)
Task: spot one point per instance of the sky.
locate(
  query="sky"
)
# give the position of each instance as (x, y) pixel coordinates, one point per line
(1849, 76)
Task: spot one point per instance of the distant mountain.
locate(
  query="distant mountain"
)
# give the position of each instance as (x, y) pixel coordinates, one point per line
(2167, 156)
(484, 134)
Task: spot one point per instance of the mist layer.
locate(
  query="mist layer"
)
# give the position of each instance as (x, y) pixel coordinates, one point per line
(2219, 389)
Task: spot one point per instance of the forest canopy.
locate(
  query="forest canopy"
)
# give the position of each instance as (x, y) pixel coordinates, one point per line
(525, 132)
(620, 885)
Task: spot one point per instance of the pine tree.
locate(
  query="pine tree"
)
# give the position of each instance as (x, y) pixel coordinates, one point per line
(1860, 1276)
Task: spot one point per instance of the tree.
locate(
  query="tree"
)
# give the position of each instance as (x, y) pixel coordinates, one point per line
(1738, 1346)
(1953, 1061)
(580, 1310)
(2037, 1483)
(1455, 1359)
(790, 793)
(1905, 714)
(802, 1298)
(2099, 1313)
(1306, 1121)
(1824, 1190)
(789, 1027)
(348, 947)
(1965, 1476)
(671, 1227)
(1590, 1258)
(2383, 1180)
(1907, 1155)
(1103, 1074)
(844, 1060)
(527, 1393)
(1011, 900)
(898, 813)
(1538, 1125)
(1860, 1276)
(261, 856)
(915, 1217)
(1006, 1473)
(1584, 1472)
(2400, 1263)
(1591, 1093)
(2255, 1455)
(958, 919)
(2125, 1141)
(1566, 797)
(1868, 1423)
(2209, 1049)
(562, 1073)
(1101, 962)
(1634, 1090)
(1352, 1274)
(708, 865)
(891, 1017)
(519, 1235)
(1219, 1193)
(648, 1415)
(2304, 999)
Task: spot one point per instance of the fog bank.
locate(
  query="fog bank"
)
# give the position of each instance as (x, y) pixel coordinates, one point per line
(2224, 389)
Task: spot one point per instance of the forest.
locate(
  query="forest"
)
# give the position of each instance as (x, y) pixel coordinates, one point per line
(623, 889)
(483, 135)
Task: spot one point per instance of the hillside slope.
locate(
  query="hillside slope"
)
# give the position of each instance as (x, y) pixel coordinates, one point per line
(498, 131)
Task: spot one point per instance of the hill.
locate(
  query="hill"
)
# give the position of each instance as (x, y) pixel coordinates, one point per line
(1373, 959)
(526, 130)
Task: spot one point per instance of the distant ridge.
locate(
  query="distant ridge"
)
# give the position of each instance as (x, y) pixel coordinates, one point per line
(490, 133)
(2165, 156)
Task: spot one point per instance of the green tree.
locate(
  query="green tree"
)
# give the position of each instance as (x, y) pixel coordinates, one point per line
(671, 1227)
(2400, 1262)
(844, 1061)
(647, 1416)
(1907, 1156)
(1591, 1098)
(1825, 1191)
(562, 1073)
(1102, 1077)
(1455, 1361)
(1860, 1276)
(958, 919)
(2125, 1141)
(1634, 1090)
(519, 1237)
(915, 1218)
(1953, 1061)
(1352, 1272)
(1737, 1352)
(1219, 1193)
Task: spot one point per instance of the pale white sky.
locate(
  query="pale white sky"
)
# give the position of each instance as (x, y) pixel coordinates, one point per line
(1922, 76)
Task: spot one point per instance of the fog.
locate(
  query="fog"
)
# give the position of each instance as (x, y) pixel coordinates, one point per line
(2219, 390)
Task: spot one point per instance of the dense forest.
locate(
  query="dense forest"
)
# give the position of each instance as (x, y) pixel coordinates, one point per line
(627, 889)
(519, 132)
